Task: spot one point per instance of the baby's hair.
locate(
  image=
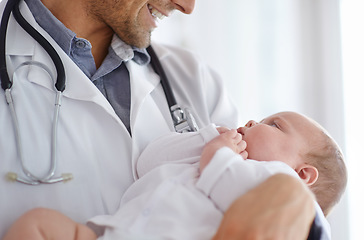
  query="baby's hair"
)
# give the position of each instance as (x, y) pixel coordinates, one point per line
(328, 158)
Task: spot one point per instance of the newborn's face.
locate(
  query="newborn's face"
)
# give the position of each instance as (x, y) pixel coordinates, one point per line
(283, 137)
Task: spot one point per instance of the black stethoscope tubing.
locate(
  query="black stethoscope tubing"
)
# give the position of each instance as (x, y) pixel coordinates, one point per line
(5, 80)
(179, 116)
(157, 67)
(6, 83)
(183, 120)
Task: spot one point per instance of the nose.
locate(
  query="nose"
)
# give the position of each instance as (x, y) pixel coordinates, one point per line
(185, 6)
(251, 123)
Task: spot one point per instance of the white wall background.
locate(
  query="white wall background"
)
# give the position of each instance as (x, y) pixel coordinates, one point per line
(279, 55)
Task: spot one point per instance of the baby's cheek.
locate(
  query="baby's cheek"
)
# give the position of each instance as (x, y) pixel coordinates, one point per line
(258, 151)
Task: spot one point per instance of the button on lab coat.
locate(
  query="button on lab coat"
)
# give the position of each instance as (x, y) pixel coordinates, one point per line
(92, 142)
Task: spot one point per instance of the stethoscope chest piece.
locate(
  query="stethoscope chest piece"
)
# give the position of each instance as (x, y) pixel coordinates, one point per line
(183, 119)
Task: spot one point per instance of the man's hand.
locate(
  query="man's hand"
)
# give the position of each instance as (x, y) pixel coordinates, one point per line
(47, 224)
(280, 208)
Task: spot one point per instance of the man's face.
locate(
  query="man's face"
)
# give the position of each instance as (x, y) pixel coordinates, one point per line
(283, 137)
(134, 20)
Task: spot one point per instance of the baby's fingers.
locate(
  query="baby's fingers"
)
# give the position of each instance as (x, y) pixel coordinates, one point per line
(238, 137)
(241, 146)
(244, 154)
(222, 130)
(233, 135)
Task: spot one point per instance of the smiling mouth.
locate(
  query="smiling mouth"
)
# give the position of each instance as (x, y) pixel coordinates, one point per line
(155, 13)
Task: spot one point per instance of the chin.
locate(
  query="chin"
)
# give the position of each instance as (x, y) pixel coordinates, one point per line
(145, 43)
(139, 41)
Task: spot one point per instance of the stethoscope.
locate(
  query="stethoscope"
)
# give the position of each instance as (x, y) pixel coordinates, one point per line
(183, 119)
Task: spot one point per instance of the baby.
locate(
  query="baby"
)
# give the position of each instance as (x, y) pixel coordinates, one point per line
(187, 181)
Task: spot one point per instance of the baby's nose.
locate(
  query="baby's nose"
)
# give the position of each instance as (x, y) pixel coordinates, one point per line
(251, 123)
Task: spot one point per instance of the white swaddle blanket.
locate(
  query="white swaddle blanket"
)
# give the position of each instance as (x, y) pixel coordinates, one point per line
(171, 200)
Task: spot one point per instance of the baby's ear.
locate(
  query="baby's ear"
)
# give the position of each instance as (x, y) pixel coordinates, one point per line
(308, 173)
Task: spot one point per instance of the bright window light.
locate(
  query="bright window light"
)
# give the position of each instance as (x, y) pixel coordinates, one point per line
(353, 52)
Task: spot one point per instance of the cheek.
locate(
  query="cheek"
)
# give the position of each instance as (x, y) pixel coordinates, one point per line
(274, 150)
(290, 152)
(260, 146)
(261, 151)
(264, 144)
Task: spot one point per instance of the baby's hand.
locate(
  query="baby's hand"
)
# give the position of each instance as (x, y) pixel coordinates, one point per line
(222, 130)
(230, 138)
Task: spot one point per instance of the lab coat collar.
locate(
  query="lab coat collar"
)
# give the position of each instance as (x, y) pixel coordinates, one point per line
(140, 86)
(17, 36)
(78, 85)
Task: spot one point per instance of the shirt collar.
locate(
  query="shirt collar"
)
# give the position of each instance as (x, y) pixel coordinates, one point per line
(64, 36)
(127, 52)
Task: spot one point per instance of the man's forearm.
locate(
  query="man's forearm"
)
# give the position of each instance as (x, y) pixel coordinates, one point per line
(281, 208)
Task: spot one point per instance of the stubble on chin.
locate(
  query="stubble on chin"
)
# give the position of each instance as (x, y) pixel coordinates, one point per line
(139, 39)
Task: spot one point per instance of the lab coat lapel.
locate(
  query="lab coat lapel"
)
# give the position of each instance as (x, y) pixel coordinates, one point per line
(142, 82)
(150, 116)
(78, 85)
(18, 42)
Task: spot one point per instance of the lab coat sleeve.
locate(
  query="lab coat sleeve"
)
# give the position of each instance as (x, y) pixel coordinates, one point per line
(175, 148)
(223, 111)
(228, 176)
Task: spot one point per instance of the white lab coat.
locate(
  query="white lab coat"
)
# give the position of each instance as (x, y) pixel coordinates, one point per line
(93, 143)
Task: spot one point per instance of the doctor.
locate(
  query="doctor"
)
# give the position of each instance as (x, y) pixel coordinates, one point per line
(106, 120)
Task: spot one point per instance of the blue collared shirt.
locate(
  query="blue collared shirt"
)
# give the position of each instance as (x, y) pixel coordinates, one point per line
(107, 77)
